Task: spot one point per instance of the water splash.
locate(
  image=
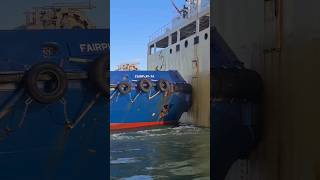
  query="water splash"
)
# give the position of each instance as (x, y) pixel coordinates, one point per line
(161, 153)
(124, 161)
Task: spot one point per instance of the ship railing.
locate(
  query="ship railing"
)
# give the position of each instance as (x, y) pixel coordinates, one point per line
(177, 22)
(163, 30)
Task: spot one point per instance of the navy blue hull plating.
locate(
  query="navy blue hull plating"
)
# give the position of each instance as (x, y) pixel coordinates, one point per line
(66, 139)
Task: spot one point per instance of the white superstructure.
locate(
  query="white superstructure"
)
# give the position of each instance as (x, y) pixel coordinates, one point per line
(184, 45)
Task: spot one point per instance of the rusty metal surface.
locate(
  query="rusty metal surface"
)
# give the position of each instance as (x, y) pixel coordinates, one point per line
(281, 40)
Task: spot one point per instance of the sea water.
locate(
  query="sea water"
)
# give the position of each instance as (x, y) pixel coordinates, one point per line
(161, 153)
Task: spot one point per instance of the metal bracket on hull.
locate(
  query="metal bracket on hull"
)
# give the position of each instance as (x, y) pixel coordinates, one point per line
(135, 98)
(85, 111)
(29, 101)
(151, 97)
(25, 111)
(65, 110)
(8, 106)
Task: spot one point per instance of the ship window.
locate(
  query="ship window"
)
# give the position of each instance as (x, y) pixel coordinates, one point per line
(177, 47)
(196, 40)
(186, 43)
(206, 36)
(204, 22)
(170, 51)
(163, 43)
(188, 30)
(151, 49)
(174, 37)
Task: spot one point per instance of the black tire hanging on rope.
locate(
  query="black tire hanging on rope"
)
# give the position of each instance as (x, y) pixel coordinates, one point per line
(145, 85)
(124, 87)
(163, 85)
(98, 75)
(46, 82)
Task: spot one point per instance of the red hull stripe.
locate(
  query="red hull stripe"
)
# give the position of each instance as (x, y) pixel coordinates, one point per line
(118, 126)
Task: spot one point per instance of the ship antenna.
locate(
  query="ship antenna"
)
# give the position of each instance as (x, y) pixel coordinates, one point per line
(175, 6)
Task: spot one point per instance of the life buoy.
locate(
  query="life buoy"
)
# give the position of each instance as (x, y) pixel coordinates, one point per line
(163, 85)
(98, 75)
(124, 87)
(46, 82)
(145, 85)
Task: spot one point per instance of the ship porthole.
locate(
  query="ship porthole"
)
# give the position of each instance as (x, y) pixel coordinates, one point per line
(124, 87)
(145, 85)
(186, 44)
(206, 36)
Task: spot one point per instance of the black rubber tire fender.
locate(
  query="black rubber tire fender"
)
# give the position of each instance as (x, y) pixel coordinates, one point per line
(36, 72)
(145, 85)
(163, 85)
(98, 74)
(124, 87)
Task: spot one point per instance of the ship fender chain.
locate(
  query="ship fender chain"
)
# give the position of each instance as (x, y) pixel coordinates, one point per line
(145, 85)
(163, 85)
(98, 75)
(124, 87)
(54, 82)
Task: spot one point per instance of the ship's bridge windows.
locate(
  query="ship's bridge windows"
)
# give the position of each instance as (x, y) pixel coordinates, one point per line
(204, 22)
(158, 46)
(162, 44)
(174, 37)
(188, 30)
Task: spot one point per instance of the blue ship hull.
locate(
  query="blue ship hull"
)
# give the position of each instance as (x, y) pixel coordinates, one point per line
(137, 108)
(64, 139)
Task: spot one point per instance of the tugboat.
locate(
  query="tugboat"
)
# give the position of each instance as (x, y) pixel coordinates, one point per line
(147, 98)
(53, 91)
